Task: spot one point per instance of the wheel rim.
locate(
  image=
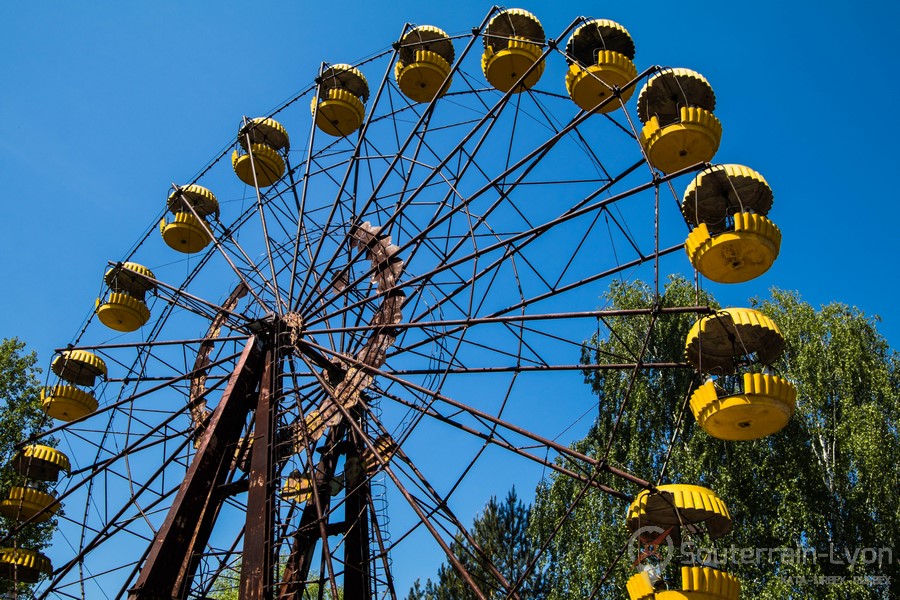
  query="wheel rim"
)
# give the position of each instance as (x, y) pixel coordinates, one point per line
(503, 244)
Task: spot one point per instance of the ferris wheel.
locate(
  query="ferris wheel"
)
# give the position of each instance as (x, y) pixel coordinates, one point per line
(373, 297)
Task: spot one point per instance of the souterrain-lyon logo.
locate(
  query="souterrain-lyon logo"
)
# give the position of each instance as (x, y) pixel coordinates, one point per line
(653, 545)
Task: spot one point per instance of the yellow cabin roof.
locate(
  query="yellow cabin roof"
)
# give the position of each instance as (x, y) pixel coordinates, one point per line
(425, 37)
(203, 200)
(670, 89)
(344, 77)
(597, 35)
(130, 277)
(43, 454)
(716, 342)
(676, 505)
(263, 130)
(513, 23)
(79, 367)
(723, 190)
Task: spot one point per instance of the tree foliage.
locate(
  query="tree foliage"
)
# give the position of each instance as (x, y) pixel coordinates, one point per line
(21, 414)
(227, 585)
(591, 538)
(828, 481)
(20, 417)
(501, 532)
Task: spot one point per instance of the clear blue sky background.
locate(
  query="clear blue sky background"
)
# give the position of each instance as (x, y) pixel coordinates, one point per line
(104, 104)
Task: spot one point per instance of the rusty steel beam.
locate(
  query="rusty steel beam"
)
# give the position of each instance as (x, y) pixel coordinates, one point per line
(469, 322)
(312, 525)
(173, 558)
(357, 573)
(357, 570)
(199, 411)
(564, 450)
(148, 343)
(258, 560)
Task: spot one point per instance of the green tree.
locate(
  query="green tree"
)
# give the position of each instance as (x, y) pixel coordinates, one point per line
(591, 538)
(828, 480)
(20, 417)
(228, 584)
(501, 531)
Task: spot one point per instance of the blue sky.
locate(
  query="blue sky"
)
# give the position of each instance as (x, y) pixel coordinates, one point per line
(104, 104)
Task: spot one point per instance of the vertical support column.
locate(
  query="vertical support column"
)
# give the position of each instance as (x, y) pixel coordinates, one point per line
(258, 559)
(357, 544)
(357, 575)
(173, 559)
(312, 526)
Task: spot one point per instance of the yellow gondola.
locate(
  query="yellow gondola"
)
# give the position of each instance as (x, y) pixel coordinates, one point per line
(386, 448)
(189, 232)
(425, 54)
(339, 107)
(257, 160)
(681, 507)
(680, 129)
(299, 487)
(732, 240)
(513, 42)
(124, 309)
(600, 55)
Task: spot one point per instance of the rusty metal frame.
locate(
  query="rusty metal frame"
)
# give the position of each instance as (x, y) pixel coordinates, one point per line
(173, 559)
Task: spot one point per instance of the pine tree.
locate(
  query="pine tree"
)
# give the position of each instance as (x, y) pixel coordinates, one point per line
(501, 532)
